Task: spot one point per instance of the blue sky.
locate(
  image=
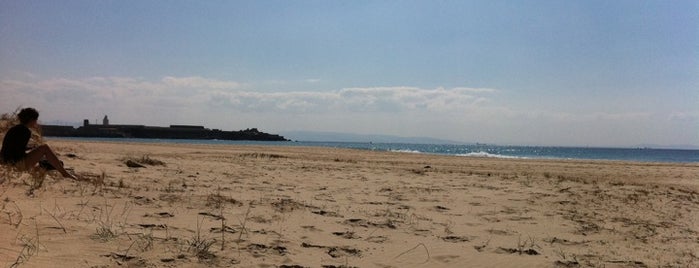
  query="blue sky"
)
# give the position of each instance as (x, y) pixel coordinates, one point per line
(597, 73)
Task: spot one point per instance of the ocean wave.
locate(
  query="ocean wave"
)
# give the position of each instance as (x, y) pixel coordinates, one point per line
(406, 151)
(486, 154)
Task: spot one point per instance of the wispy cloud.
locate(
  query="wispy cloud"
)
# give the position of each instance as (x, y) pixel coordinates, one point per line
(460, 113)
(198, 91)
(192, 93)
(197, 82)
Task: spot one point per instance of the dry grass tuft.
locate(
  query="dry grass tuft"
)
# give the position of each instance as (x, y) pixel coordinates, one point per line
(31, 247)
(8, 172)
(107, 225)
(201, 246)
(12, 215)
(216, 200)
(146, 159)
(261, 155)
(415, 247)
(104, 232)
(140, 161)
(36, 180)
(15, 172)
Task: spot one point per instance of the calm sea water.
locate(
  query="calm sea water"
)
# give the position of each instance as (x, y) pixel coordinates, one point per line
(479, 150)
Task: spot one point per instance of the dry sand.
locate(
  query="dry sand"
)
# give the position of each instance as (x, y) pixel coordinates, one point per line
(259, 206)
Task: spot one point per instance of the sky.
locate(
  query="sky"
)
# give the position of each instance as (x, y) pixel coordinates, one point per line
(571, 73)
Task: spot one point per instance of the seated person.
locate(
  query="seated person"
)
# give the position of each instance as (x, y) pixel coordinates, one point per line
(14, 146)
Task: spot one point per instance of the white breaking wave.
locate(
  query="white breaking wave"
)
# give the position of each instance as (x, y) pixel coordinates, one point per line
(406, 151)
(486, 154)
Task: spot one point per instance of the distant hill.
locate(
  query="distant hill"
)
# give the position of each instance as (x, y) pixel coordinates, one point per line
(677, 147)
(351, 137)
(62, 123)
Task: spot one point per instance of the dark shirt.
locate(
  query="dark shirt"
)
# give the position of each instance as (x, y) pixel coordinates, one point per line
(14, 145)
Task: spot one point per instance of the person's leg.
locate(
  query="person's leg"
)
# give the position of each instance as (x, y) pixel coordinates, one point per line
(40, 152)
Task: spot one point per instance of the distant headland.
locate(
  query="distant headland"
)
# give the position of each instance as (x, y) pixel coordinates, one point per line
(106, 130)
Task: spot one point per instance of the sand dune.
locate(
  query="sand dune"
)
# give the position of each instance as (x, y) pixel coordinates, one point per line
(258, 206)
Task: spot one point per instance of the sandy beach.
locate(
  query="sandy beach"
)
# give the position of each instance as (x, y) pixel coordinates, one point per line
(273, 206)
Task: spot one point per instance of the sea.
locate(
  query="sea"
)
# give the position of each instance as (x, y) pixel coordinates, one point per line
(465, 150)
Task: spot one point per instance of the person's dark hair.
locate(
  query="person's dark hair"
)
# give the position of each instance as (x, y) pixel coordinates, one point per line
(26, 115)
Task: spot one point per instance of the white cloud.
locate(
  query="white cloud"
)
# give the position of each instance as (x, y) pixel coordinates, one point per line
(197, 82)
(399, 99)
(475, 90)
(194, 93)
(372, 99)
(460, 113)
